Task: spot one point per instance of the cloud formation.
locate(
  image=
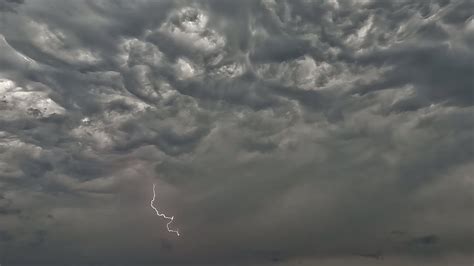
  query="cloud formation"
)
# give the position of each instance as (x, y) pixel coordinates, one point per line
(277, 132)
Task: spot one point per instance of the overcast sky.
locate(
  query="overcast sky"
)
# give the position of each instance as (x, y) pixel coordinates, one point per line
(276, 132)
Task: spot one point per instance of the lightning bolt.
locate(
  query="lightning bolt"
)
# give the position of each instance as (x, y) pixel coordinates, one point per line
(162, 214)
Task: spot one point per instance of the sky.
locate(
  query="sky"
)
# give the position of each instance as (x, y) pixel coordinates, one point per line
(276, 132)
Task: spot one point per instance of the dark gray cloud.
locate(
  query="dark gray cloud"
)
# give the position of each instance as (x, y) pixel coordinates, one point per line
(277, 132)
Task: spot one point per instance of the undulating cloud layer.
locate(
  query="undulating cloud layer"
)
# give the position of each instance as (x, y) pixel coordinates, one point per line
(277, 132)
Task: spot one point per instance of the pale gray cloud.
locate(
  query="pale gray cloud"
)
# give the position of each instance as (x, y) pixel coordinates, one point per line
(277, 132)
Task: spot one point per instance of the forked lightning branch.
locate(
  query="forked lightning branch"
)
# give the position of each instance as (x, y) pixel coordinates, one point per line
(170, 218)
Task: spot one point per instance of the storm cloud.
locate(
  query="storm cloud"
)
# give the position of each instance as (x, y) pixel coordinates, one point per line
(277, 132)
